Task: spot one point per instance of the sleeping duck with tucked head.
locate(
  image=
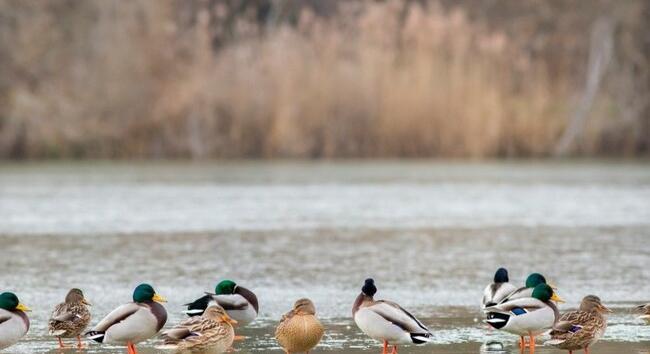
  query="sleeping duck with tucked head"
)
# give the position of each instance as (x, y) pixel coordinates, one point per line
(299, 330)
(133, 322)
(240, 303)
(386, 321)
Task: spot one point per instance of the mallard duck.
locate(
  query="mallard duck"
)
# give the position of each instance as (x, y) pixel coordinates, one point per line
(14, 323)
(70, 318)
(134, 322)
(211, 332)
(526, 291)
(386, 321)
(529, 316)
(239, 302)
(299, 329)
(499, 290)
(580, 329)
(644, 312)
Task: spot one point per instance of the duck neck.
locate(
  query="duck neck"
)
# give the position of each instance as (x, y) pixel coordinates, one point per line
(556, 312)
(359, 301)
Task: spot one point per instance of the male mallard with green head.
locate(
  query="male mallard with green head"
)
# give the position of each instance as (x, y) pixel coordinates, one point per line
(386, 321)
(134, 322)
(498, 290)
(299, 329)
(14, 323)
(211, 332)
(70, 318)
(528, 316)
(580, 329)
(239, 302)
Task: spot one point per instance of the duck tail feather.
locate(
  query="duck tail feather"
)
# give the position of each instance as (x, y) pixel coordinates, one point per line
(97, 336)
(420, 338)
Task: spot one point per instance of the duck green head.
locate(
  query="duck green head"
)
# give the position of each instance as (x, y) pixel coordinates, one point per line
(145, 293)
(544, 293)
(225, 287)
(10, 302)
(535, 279)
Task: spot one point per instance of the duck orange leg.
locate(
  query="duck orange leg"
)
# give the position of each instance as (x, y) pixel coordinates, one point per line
(532, 344)
(80, 344)
(131, 347)
(587, 350)
(61, 344)
(394, 350)
(385, 351)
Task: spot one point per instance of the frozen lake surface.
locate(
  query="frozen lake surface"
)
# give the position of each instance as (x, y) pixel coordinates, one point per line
(430, 233)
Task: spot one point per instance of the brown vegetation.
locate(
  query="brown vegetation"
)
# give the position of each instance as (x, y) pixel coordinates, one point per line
(213, 79)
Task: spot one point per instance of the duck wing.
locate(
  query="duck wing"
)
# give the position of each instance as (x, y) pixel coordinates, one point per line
(181, 330)
(116, 316)
(198, 306)
(4, 319)
(496, 293)
(394, 313)
(231, 302)
(61, 313)
(518, 306)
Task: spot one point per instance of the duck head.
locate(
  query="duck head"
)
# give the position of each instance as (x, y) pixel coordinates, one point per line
(225, 287)
(145, 293)
(592, 303)
(501, 276)
(217, 313)
(9, 301)
(76, 296)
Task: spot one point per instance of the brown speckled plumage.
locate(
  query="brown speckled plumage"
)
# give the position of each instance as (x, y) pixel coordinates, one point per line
(211, 332)
(299, 330)
(70, 318)
(580, 329)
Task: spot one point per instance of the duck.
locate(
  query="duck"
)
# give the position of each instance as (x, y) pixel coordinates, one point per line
(240, 303)
(133, 322)
(527, 316)
(497, 291)
(386, 321)
(212, 332)
(644, 312)
(526, 291)
(299, 329)
(582, 328)
(14, 323)
(70, 318)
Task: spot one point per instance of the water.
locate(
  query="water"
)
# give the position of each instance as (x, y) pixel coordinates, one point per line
(430, 233)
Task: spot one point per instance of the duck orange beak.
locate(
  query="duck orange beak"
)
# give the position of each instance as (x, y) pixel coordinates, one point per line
(85, 302)
(228, 319)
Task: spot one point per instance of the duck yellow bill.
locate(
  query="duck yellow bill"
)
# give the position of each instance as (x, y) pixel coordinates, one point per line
(557, 298)
(158, 298)
(22, 307)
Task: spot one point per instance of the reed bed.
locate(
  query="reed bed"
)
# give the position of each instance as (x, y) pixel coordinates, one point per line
(142, 79)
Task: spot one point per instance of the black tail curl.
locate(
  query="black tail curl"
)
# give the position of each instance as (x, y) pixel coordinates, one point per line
(97, 336)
